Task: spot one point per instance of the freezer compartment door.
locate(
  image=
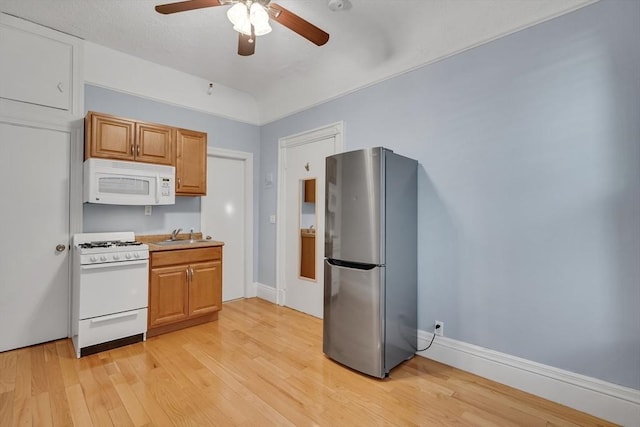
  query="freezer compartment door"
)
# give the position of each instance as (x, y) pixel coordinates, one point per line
(353, 206)
(352, 325)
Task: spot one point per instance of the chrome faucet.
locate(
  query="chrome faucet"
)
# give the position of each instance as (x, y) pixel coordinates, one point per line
(174, 233)
(191, 235)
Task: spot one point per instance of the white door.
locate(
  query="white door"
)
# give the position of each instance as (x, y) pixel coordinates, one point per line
(225, 217)
(34, 259)
(304, 159)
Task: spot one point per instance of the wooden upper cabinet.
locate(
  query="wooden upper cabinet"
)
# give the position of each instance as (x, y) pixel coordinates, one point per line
(191, 163)
(112, 137)
(109, 137)
(154, 144)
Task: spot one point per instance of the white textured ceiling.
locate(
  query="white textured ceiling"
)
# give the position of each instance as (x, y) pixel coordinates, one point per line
(370, 40)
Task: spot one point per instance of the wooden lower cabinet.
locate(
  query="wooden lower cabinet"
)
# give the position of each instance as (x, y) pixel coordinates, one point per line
(168, 295)
(185, 288)
(205, 288)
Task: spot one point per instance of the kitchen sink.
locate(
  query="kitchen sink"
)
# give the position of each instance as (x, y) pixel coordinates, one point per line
(181, 242)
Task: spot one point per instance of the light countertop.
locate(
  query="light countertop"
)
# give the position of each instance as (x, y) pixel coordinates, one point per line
(153, 239)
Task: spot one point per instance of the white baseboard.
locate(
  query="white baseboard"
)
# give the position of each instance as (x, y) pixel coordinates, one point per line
(266, 292)
(605, 400)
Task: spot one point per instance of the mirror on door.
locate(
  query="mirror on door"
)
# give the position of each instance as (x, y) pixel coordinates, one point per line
(308, 228)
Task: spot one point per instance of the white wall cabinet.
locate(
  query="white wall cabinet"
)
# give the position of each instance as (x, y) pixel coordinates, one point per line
(43, 65)
(39, 68)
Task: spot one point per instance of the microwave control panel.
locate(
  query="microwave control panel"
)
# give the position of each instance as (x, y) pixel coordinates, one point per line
(165, 186)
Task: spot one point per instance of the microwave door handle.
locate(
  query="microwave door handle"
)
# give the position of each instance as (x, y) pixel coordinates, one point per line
(157, 189)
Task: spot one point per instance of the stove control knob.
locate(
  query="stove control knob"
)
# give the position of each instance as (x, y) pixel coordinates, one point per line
(103, 258)
(116, 257)
(127, 255)
(93, 258)
(137, 255)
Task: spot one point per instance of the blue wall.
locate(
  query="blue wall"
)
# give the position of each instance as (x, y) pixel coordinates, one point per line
(529, 191)
(185, 214)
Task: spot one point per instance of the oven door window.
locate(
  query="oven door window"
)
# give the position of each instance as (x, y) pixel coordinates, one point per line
(124, 185)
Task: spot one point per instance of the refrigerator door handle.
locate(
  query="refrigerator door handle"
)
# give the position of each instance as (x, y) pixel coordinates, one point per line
(350, 264)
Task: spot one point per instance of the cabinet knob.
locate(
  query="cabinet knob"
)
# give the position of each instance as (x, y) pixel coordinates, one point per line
(61, 248)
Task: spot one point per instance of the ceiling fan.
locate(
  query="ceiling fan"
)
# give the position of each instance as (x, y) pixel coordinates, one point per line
(251, 18)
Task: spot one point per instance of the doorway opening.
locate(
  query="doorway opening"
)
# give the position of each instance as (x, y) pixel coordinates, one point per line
(300, 228)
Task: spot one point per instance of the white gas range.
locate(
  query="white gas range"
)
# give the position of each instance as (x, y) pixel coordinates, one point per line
(110, 291)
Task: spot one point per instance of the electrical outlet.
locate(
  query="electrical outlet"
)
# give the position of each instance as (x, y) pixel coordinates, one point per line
(439, 328)
(148, 210)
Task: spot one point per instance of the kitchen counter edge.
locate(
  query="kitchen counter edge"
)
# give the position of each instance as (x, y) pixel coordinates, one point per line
(152, 240)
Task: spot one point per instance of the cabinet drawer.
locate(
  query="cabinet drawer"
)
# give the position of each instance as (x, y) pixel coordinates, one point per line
(185, 256)
(111, 327)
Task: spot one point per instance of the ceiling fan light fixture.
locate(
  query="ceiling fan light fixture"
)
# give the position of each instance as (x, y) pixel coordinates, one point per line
(239, 16)
(259, 19)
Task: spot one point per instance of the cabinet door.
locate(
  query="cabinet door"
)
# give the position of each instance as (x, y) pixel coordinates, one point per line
(168, 295)
(154, 144)
(35, 68)
(191, 163)
(205, 288)
(109, 137)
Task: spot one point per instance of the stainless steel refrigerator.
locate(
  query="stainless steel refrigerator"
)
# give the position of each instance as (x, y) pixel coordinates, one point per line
(370, 266)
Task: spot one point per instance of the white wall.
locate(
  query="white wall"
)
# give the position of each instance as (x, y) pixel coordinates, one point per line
(111, 69)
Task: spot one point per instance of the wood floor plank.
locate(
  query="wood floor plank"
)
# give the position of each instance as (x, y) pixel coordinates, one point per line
(133, 407)
(41, 410)
(23, 374)
(258, 365)
(67, 362)
(6, 408)
(60, 410)
(8, 371)
(98, 410)
(38, 378)
(78, 406)
(22, 415)
(152, 408)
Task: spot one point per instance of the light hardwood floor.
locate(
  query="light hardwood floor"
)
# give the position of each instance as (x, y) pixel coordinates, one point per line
(258, 365)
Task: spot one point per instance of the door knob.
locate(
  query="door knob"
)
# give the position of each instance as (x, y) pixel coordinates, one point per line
(61, 248)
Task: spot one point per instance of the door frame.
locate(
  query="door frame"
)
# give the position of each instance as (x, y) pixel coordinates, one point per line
(247, 157)
(335, 130)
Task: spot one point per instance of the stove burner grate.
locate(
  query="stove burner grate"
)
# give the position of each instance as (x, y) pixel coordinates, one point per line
(108, 244)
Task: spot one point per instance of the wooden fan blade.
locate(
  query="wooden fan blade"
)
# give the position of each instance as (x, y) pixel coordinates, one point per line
(296, 24)
(245, 47)
(183, 6)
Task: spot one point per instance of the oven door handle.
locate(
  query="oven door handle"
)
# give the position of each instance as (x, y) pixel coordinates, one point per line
(115, 264)
(114, 316)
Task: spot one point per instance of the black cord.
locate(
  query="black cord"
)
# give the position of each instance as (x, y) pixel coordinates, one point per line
(432, 338)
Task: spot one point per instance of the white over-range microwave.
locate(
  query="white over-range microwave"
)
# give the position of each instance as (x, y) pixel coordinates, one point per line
(118, 182)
